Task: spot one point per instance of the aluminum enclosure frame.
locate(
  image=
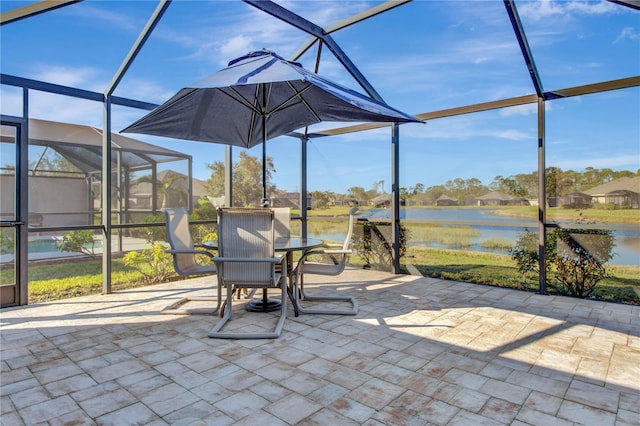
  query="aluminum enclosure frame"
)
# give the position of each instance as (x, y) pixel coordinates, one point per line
(322, 37)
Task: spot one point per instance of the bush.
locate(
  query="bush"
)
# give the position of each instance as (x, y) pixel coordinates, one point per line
(81, 241)
(372, 244)
(604, 206)
(153, 263)
(151, 233)
(525, 254)
(7, 242)
(575, 258)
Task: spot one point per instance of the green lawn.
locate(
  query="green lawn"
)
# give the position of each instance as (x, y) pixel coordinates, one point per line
(622, 286)
(59, 280)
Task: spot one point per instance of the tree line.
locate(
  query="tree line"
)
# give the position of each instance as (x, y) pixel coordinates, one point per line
(247, 175)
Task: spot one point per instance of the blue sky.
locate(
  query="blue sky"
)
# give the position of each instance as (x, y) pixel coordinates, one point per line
(423, 56)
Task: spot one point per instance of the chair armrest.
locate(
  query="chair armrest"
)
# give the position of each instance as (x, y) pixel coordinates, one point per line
(204, 246)
(340, 251)
(332, 245)
(171, 251)
(276, 259)
(325, 251)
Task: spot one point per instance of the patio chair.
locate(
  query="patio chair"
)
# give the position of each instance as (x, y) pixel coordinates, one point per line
(282, 222)
(338, 254)
(246, 259)
(184, 254)
(281, 226)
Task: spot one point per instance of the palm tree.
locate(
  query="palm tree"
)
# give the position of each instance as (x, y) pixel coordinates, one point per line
(168, 186)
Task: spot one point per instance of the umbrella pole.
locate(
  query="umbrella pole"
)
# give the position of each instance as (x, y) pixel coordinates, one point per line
(265, 201)
(266, 305)
(264, 145)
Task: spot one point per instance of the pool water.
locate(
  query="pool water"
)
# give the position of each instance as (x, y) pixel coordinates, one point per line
(47, 245)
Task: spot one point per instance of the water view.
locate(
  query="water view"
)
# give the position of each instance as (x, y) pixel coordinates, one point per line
(494, 233)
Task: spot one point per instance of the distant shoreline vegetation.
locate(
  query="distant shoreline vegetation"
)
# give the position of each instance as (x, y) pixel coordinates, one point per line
(567, 215)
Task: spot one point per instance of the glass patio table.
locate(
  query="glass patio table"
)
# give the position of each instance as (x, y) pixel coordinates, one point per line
(286, 246)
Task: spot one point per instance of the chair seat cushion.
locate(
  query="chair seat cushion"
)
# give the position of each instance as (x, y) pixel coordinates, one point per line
(199, 269)
(321, 268)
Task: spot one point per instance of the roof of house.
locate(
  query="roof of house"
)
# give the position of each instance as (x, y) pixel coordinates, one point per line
(382, 198)
(623, 184)
(496, 195)
(197, 185)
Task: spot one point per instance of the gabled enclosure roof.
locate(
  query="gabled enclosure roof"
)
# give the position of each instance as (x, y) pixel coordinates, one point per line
(82, 146)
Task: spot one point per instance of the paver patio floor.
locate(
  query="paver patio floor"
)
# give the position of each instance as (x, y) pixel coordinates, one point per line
(421, 351)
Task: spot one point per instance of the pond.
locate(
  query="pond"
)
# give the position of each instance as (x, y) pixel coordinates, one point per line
(489, 228)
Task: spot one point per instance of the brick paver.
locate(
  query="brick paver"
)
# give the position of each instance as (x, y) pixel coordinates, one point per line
(420, 351)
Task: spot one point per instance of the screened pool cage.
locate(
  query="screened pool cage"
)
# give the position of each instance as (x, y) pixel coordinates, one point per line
(65, 176)
(61, 175)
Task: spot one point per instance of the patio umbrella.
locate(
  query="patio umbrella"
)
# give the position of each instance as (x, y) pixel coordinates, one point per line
(259, 96)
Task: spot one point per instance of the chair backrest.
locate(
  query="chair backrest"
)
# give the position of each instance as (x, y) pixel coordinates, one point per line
(179, 237)
(347, 245)
(281, 222)
(246, 233)
(339, 257)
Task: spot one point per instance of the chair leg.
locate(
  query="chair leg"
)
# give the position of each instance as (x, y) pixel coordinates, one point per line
(304, 297)
(178, 309)
(216, 331)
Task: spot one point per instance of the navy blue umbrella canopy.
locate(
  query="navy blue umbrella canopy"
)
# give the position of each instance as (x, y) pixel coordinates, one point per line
(260, 96)
(257, 97)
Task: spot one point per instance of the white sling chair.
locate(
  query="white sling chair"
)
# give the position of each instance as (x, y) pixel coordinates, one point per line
(282, 222)
(338, 253)
(184, 254)
(247, 260)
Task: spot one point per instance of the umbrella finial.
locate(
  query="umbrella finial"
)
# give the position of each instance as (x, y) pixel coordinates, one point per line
(254, 54)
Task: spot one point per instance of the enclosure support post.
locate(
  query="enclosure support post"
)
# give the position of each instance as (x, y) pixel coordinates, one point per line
(395, 196)
(542, 199)
(122, 199)
(303, 185)
(106, 196)
(22, 200)
(106, 140)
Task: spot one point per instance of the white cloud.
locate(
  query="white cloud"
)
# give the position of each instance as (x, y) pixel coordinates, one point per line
(11, 100)
(589, 8)
(524, 110)
(83, 77)
(627, 33)
(537, 11)
(512, 135)
(48, 106)
(91, 13)
(67, 109)
(143, 89)
(463, 128)
(234, 45)
(545, 9)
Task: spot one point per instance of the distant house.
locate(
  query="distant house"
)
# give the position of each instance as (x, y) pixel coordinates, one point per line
(343, 200)
(173, 195)
(383, 200)
(497, 198)
(445, 200)
(623, 192)
(575, 200)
